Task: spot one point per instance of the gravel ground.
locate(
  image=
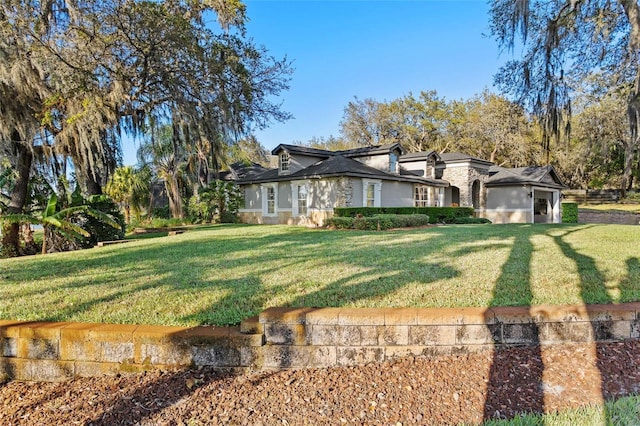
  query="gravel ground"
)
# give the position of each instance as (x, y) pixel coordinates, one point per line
(445, 390)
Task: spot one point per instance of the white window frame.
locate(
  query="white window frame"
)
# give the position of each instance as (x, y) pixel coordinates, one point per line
(394, 166)
(377, 192)
(295, 199)
(426, 202)
(265, 199)
(430, 167)
(285, 162)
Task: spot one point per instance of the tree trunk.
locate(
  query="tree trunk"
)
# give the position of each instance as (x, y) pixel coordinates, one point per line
(93, 186)
(627, 174)
(11, 232)
(632, 10)
(175, 200)
(44, 240)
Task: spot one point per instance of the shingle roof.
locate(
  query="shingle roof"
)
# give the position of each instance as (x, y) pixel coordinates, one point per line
(370, 150)
(459, 156)
(303, 150)
(337, 165)
(355, 152)
(413, 156)
(545, 176)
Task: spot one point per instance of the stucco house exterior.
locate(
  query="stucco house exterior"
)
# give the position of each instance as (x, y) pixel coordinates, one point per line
(309, 183)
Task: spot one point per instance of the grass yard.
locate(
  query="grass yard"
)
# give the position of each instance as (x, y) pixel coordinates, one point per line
(225, 273)
(623, 411)
(633, 208)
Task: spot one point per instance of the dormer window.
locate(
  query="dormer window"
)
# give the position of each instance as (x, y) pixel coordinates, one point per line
(431, 167)
(393, 162)
(284, 162)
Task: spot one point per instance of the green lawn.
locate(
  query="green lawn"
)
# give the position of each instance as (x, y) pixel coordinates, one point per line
(223, 274)
(633, 208)
(621, 412)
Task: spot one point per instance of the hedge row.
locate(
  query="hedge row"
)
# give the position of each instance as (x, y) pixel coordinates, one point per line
(436, 214)
(379, 222)
(470, 220)
(569, 212)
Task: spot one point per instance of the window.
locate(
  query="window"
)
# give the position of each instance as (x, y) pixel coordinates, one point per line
(269, 199)
(371, 195)
(284, 162)
(393, 162)
(302, 200)
(299, 198)
(421, 197)
(371, 192)
(475, 194)
(431, 167)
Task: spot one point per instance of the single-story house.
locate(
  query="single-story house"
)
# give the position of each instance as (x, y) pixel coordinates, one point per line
(309, 183)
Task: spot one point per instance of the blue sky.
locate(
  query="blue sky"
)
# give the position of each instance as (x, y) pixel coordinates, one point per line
(368, 49)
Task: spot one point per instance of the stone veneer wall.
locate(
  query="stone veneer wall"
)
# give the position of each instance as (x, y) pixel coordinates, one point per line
(344, 192)
(281, 338)
(463, 177)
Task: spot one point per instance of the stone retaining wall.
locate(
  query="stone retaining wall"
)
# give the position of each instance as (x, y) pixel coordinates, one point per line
(282, 338)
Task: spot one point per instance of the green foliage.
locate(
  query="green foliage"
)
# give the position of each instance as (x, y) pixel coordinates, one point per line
(379, 222)
(71, 227)
(470, 220)
(98, 229)
(217, 202)
(161, 212)
(633, 197)
(339, 222)
(130, 187)
(569, 212)
(436, 214)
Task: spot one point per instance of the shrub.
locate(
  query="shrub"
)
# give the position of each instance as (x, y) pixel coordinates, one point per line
(217, 202)
(436, 214)
(378, 222)
(161, 212)
(633, 197)
(409, 220)
(340, 222)
(470, 220)
(569, 212)
(99, 230)
(372, 223)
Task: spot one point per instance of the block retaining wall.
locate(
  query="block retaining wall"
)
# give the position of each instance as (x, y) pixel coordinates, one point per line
(281, 338)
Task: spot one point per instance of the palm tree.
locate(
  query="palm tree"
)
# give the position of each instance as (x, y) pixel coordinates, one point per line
(167, 156)
(50, 220)
(129, 187)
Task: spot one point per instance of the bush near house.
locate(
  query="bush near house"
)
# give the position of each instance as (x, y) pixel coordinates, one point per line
(470, 220)
(379, 222)
(569, 212)
(436, 214)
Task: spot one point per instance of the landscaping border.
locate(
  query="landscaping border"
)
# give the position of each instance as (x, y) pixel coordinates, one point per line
(281, 338)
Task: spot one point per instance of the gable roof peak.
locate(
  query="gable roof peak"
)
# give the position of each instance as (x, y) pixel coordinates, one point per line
(302, 150)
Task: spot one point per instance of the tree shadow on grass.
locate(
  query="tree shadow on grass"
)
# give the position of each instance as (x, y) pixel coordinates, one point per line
(233, 262)
(370, 280)
(514, 388)
(592, 285)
